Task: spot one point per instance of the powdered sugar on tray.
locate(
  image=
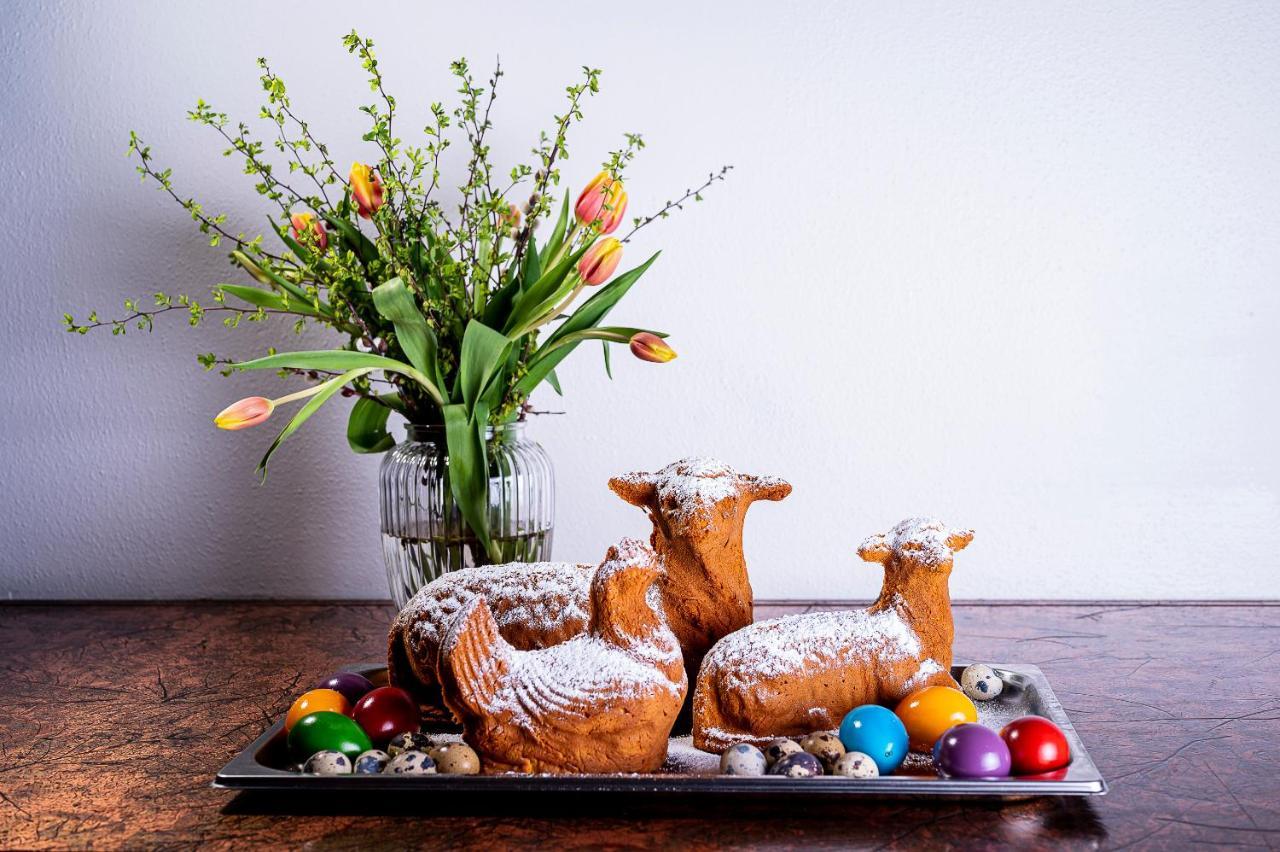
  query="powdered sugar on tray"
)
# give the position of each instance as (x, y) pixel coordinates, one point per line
(797, 643)
(683, 758)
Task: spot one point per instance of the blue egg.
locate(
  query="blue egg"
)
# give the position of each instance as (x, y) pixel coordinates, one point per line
(878, 732)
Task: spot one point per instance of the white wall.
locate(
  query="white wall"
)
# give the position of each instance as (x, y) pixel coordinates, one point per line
(1012, 264)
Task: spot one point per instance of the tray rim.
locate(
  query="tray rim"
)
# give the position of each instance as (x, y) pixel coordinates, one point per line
(244, 773)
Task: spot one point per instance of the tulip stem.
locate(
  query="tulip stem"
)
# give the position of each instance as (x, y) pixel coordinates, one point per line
(302, 394)
(550, 315)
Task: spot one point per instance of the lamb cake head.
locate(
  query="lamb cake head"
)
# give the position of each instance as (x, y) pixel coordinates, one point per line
(697, 508)
(802, 673)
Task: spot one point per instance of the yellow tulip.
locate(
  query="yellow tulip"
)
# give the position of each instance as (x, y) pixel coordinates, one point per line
(603, 201)
(651, 347)
(249, 411)
(366, 189)
(307, 223)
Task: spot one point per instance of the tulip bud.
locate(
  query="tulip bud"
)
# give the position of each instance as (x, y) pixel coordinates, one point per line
(603, 201)
(307, 223)
(651, 347)
(252, 268)
(600, 261)
(366, 189)
(247, 412)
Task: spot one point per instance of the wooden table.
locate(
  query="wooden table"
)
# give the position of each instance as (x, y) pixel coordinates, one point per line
(117, 716)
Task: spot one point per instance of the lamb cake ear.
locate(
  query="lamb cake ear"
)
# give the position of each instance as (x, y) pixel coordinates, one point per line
(636, 488)
(959, 539)
(764, 487)
(875, 549)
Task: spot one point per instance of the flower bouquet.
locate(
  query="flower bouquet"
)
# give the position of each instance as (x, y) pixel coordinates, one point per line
(450, 314)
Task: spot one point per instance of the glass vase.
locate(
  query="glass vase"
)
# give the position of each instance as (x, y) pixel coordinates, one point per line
(423, 531)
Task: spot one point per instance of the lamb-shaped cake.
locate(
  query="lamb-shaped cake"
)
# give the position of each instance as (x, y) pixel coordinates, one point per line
(603, 701)
(803, 673)
(697, 507)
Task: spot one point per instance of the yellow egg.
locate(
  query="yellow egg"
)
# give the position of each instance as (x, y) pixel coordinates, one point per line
(314, 701)
(927, 714)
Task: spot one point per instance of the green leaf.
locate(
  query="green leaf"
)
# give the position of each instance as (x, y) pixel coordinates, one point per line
(394, 301)
(340, 359)
(352, 238)
(266, 299)
(532, 264)
(367, 427)
(557, 234)
(554, 381)
(608, 367)
(483, 350)
(313, 405)
(498, 309)
(469, 470)
(544, 294)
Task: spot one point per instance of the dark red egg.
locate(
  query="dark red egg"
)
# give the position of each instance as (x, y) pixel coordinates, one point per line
(1036, 745)
(385, 712)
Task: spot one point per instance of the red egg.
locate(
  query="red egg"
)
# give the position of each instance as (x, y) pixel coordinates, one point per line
(385, 712)
(1036, 745)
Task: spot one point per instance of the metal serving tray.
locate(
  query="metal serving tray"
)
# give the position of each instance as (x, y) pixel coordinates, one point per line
(265, 765)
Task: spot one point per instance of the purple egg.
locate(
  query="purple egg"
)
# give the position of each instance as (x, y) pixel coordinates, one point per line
(972, 751)
(352, 686)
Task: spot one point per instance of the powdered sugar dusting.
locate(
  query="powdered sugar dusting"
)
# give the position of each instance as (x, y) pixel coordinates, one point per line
(546, 596)
(923, 540)
(809, 643)
(691, 488)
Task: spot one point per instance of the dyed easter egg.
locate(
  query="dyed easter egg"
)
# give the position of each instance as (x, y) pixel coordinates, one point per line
(970, 750)
(352, 686)
(385, 712)
(371, 762)
(1036, 745)
(928, 712)
(411, 763)
(315, 701)
(980, 682)
(855, 764)
(327, 731)
(875, 731)
(777, 749)
(825, 746)
(327, 763)
(801, 764)
(743, 759)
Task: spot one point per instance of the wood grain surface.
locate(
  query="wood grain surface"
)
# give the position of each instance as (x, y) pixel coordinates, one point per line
(116, 717)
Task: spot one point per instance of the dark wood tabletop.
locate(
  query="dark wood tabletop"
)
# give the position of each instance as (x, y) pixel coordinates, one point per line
(116, 717)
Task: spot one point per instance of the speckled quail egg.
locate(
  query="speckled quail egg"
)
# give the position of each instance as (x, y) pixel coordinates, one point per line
(456, 759)
(743, 759)
(855, 764)
(412, 762)
(777, 749)
(409, 741)
(825, 746)
(371, 762)
(980, 682)
(799, 764)
(328, 763)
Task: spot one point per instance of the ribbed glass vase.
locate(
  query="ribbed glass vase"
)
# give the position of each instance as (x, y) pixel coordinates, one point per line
(423, 532)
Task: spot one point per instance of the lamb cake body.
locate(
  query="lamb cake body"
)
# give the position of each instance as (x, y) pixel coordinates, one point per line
(802, 673)
(697, 507)
(603, 701)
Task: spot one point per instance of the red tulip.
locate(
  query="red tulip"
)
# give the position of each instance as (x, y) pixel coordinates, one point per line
(249, 411)
(307, 223)
(600, 261)
(651, 347)
(366, 189)
(603, 201)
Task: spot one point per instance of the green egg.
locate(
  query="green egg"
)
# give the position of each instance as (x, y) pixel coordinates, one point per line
(325, 730)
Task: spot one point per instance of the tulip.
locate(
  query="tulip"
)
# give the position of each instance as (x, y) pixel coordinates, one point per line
(247, 412)
(600, 261)
(306, 223)
(603, 201)
(252, 268)
(651, 347)
(366, 189)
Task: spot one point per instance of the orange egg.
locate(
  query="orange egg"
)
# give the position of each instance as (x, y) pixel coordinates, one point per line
(928, 712)
(314, 701)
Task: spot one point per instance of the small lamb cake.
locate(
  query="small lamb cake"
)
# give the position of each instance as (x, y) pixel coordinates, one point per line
(802, 673)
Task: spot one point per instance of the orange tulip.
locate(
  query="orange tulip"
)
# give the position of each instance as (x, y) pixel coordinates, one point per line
(651, 347)
(247, 412)
(366, 189)
(603, 201)
(307, 223)
(600, 261)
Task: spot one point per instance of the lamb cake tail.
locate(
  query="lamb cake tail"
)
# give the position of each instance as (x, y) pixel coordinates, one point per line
(474, 660)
